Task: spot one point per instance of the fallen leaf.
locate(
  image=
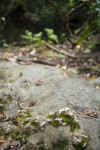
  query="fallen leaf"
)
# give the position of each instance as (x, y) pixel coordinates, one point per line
(64, 67)
(91, 113)
(3, 117)
(2, 139)
(32, 104)
(91, 78)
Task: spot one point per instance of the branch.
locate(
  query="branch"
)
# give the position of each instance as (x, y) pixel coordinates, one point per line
(73, 9)
(61, 52)
(57, 10)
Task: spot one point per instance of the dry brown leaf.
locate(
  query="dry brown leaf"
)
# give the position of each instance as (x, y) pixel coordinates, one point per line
(2, 139)
(3, 117)
(91, 113)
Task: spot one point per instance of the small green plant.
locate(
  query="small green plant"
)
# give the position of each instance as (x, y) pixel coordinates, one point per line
(38, 37)
(51, 35)
(4, 43)
(92, 45)
(30, 37)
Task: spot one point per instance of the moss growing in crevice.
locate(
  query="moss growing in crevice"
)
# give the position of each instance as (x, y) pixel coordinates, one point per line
(22, 116)
(54, 123)
(66, 118)
(2, 107)
(81, 146)
(2, 132)
(10, 98)
(74, 126)
(60, 145)
(53, 116)
(26, 122)
(28, 115)
(41, 145)
(70, 120)
(26, 133)
(35, 124)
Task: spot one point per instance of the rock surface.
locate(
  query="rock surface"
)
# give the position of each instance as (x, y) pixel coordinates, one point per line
(41, 109)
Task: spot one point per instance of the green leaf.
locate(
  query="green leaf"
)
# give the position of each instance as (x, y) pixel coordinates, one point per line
(92, 45)
(3, 18)
(54, 38)
(49, 31)
(38, 35)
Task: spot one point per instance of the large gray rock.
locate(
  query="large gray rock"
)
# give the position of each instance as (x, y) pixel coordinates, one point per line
(44, 110)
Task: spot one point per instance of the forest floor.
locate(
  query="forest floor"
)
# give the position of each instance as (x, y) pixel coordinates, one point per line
(81, 62)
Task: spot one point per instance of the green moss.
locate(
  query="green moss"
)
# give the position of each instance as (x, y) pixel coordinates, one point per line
(28, 114)
(10, 98)
(36, 124)
(41, 145)
(26, 133)
(1, 101)
(2, 132)
(81, 145)
(60, 145)
(26, 122)
(55, 123)
(2, 108)
(70, 120)
(75, 126)
(66, 118)
(21, 116)
(12, 80)
(16, 135)
(53, 116)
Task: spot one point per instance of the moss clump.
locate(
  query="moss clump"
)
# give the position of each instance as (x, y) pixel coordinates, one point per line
(12, 80)
(1, 101)
(28, 114)
(2, 132)
(70, 120)
(53, 116)
(16, 135)
(10, 98)
(21, 117)
(54, 123)
(60, 145)
(81, 146)
(67, 118)
(75, 126)
(2, 107)
(41, 145)
(26, 122)
(26, 133)
(35, 124)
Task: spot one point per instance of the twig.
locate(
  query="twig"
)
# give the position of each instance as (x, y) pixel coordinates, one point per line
(36, 61)
(73, 9)
(58, 51)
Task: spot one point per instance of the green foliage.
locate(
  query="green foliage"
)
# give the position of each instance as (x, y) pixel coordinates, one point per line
(56, 15)
(30, 37)
(93, 44)
(51, 35)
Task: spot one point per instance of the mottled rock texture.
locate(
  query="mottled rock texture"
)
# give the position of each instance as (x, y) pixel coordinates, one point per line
(44, 110)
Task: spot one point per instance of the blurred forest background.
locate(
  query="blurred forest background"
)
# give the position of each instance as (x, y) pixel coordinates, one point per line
(73, 23)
